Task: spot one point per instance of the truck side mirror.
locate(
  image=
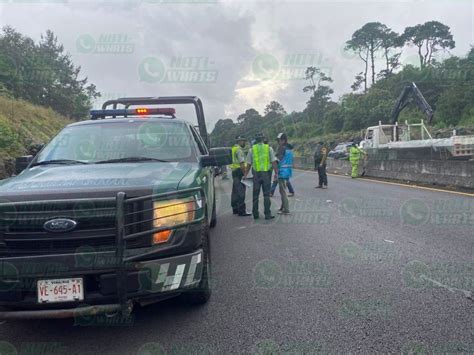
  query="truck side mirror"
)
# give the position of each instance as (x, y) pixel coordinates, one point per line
(22, 162)
(217, 157)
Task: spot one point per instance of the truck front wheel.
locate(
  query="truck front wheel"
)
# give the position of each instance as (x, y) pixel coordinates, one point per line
(202, 293)
(213, 222)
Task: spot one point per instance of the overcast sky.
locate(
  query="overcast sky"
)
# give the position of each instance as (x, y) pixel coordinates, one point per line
(233, 54)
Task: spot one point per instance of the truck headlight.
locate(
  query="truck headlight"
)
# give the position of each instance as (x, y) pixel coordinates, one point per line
(170, 213)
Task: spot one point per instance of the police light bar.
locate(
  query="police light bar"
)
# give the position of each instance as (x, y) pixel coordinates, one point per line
(143, 111)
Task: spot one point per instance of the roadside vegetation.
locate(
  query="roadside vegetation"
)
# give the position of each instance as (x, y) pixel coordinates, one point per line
(23, 125)
(448, 86)
(43, 74)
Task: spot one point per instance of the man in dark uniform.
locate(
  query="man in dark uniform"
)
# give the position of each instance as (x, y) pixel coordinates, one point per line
(320, 158)
(238, 170)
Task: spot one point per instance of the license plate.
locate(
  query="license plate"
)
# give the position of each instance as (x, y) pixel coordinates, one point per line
(60, 290)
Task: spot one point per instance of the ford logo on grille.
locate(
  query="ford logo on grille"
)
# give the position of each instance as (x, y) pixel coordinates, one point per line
(59, 225)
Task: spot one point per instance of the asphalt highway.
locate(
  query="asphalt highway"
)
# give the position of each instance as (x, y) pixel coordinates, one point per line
(362, 267)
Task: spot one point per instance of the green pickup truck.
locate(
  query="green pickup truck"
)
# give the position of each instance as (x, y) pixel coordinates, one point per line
(113, 212)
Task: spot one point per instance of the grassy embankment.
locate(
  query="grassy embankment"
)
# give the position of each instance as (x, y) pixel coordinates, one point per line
(23, 125)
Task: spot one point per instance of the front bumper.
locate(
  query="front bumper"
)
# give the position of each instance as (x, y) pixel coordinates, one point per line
(141, 282)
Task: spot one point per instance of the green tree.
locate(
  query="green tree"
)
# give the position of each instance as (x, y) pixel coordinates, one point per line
(391, 41)
(275, 108)
(366, 41)
(430, 38)
(43, 74)
(315, 77)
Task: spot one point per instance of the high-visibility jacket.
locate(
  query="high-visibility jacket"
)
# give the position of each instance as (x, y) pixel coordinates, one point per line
(235, 161)
(261, 157)
(286, 165)
(354, 153)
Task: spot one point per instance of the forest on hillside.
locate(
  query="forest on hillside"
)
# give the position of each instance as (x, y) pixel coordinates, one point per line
(42, 73)
(448, 86)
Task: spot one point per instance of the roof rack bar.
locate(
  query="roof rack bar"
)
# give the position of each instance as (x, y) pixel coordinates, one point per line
(166, 100)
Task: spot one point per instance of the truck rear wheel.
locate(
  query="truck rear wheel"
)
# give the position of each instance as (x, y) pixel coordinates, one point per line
(202, 293)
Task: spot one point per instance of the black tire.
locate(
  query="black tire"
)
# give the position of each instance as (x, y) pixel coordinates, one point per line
(202, 293)
(213, 222)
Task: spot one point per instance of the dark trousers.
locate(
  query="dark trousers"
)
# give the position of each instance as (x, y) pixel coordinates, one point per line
(262, 180)
(291, 190)
(323, 177)
(238, 192)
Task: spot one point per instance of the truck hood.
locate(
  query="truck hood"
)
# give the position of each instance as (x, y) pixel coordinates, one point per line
(90, 179)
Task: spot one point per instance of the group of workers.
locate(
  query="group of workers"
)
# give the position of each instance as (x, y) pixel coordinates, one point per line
(262, 160)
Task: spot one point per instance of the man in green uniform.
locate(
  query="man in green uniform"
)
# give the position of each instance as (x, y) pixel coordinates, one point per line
(238, 171)
(355, 154)
(261, 158)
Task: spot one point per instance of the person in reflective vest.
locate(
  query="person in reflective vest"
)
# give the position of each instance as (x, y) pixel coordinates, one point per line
(355, 154)
(261, 158)
(238, 171)
(285, 172)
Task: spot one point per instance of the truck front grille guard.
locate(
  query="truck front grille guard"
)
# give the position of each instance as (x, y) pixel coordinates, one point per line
(121, 236)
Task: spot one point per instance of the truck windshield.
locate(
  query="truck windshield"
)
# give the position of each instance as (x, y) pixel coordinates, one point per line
(126, 141)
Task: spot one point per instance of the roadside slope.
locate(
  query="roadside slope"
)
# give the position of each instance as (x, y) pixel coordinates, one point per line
(23, 125)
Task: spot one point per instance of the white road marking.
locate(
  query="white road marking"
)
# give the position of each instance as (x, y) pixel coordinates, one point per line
(388, 241)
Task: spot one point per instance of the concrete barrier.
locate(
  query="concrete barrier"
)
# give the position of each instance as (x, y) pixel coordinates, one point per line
(438, 172)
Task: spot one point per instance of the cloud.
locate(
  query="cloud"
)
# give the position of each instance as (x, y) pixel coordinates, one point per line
(233, 54)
